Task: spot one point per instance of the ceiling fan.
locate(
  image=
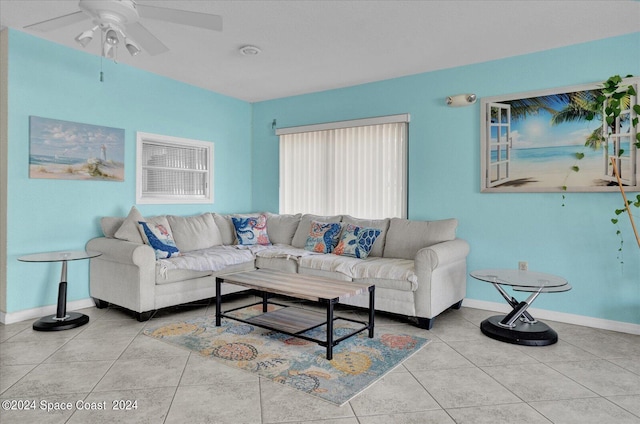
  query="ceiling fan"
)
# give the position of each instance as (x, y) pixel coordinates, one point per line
(119, 20)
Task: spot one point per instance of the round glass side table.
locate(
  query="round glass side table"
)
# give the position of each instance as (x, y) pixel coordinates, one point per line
(62, 320)
(518, 326)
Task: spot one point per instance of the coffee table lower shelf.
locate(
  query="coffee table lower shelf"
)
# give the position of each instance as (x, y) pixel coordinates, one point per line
(294, 321)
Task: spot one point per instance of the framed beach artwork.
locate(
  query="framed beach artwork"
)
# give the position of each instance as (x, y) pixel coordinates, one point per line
(542, 141)
(65, 150)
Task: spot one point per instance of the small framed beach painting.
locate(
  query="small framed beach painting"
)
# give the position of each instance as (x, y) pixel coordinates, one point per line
(64, 150)
(542, 141)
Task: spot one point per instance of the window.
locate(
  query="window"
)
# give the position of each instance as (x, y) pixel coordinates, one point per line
(173, 170)
(351, 167)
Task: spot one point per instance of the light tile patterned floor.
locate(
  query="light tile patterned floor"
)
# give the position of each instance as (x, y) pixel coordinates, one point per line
(589, 376)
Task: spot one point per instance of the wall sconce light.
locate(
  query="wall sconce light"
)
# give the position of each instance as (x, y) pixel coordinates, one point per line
(461, 100)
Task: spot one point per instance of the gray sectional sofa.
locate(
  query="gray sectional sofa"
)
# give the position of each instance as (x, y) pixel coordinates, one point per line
(418, 267)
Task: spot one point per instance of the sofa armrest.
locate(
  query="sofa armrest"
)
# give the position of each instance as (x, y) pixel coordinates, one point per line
(122, 251)
(125, 273)
(441, 254)
(442, 277)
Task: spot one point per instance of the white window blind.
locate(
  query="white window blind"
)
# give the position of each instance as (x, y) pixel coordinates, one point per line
(173, 170)
(357, 168)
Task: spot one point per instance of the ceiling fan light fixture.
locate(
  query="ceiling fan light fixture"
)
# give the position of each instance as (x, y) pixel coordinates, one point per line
(111, 37)
(85, 37)
(132, 47)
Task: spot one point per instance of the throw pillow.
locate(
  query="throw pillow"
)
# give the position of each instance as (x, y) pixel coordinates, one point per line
(356, 241)
(252, 230)
(157, 234)
(128, 231)
(302, 232)
(323, 236)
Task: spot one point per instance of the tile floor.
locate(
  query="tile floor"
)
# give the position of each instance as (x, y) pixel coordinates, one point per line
(589, 376)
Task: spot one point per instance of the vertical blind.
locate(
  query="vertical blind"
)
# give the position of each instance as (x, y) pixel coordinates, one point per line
(360, 170)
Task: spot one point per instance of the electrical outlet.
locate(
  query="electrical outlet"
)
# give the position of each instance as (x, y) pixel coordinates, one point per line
(523, 266)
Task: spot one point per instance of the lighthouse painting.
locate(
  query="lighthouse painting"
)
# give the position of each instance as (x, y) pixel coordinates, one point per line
(73, 151)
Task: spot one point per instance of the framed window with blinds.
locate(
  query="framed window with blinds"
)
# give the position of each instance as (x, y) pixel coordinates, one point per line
(173, 170)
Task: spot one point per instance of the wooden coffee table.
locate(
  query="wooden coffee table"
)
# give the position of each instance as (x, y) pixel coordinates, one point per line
(292, 320)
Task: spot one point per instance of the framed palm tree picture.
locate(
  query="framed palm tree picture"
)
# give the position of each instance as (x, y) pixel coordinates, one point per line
(557, 140)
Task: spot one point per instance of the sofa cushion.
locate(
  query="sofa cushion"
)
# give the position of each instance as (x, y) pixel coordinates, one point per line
(300, 237)
(281, 228)
(381, 224)
(323, 236)
(214, 259)
(129, 231)
(329, 263)
(227, 230)
(194, 232)
(164, 276)
(281, 257)
(156, 232)
(251, 230)
(390, 273)
(111, 224)
(406, 237)
(356, 241)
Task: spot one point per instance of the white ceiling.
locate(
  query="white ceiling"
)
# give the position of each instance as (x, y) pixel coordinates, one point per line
(310, 46)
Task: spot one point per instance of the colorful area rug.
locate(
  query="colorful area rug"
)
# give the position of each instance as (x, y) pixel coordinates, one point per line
(357, 362)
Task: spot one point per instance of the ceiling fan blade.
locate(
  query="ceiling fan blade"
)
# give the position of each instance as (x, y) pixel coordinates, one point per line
(147, 41)
(183, 17)
(59, 22)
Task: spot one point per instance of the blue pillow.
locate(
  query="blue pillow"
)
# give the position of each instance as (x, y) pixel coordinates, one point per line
(323, 236)
(252, 230)
(158, 235)
(356, 241)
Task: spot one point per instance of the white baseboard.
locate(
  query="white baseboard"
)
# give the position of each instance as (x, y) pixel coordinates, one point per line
(26, 314)
(624, 327)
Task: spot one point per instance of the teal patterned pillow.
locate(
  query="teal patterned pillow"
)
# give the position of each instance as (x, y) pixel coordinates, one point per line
(252, 230)
(323, 236)
(356, 241)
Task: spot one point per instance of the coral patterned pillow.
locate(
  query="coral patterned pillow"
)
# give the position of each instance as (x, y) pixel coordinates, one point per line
(252, 230)
(356, 241)
(323, 236)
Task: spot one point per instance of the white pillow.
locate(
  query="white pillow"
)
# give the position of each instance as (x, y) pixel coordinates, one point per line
(129, 229)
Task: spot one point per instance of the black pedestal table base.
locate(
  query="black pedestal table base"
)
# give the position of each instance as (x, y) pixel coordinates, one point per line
(523, 333)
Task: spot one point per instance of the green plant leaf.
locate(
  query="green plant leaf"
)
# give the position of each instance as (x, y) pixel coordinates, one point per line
(636, 108)
(619, 211)
(631, 90)
(575, 168)
(590, 116)
(610, 120)
(615, 221)
(620, 152)
(634, 121)
(619, 95)
(564, 188)
(579, 155)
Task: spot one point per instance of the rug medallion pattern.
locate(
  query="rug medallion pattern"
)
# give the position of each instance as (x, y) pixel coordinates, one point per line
(357, 362)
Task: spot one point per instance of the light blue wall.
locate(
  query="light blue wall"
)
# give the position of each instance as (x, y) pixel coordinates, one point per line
(53, 81)
(576, 241)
